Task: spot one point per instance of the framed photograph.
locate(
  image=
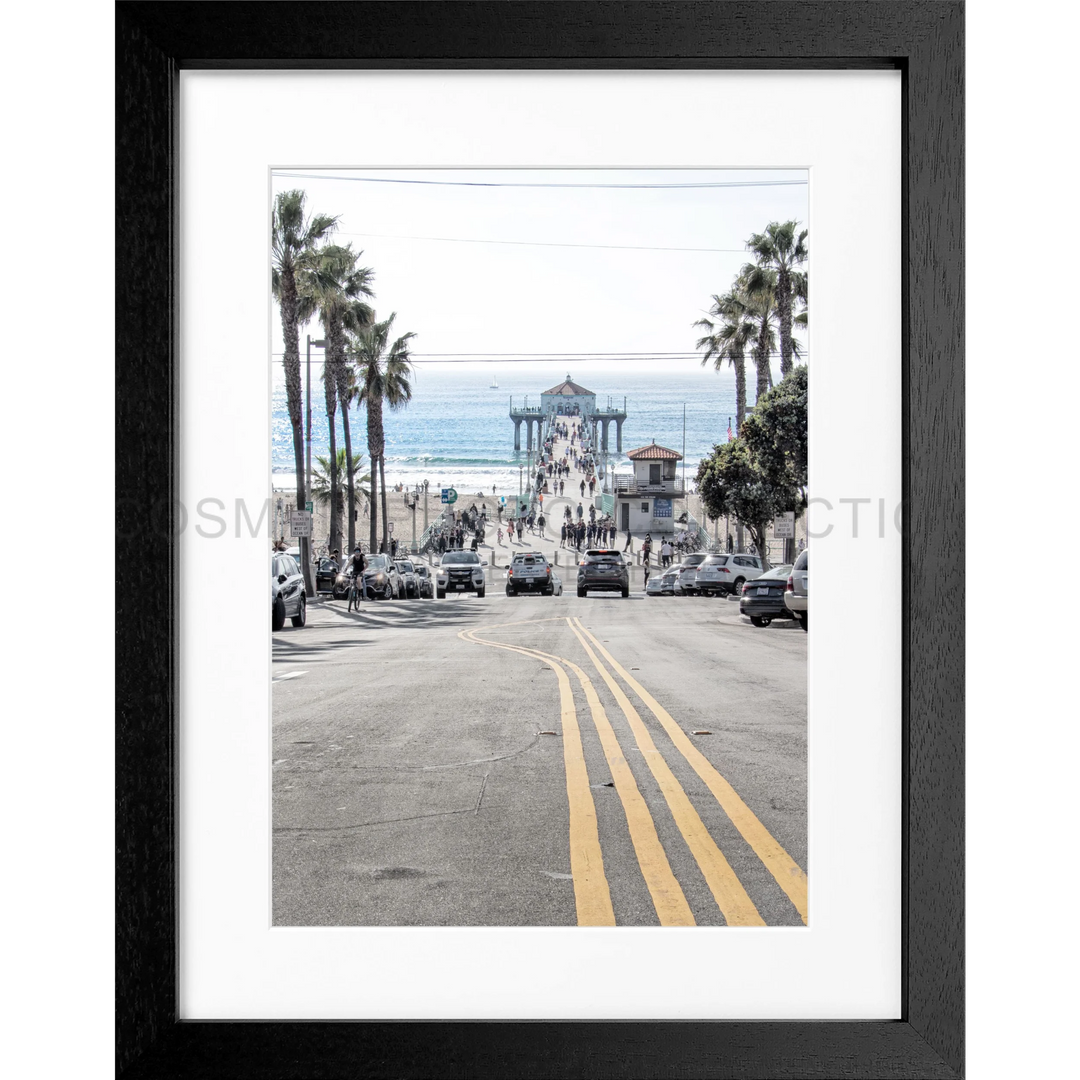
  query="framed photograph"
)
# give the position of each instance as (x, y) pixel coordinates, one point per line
(495, 324)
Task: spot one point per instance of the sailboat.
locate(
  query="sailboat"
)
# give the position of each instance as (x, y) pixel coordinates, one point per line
(494, 383)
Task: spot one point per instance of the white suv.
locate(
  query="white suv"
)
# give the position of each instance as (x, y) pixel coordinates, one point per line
(460, 571)
(719, 574)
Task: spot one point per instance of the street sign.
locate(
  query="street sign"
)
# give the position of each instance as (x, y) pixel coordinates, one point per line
(390, 527)
(299, 523)
(310, 507)
(784, 526)
(449, 495)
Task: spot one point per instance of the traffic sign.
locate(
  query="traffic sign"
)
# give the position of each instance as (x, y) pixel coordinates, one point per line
(390, 527)
(449, 495)
(299, 523)
(784, 526)
(310, 507)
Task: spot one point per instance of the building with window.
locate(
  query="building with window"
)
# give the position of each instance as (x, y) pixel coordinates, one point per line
(647, 500)
(568, 398)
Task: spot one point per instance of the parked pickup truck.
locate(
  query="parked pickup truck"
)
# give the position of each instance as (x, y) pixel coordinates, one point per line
(528, 572)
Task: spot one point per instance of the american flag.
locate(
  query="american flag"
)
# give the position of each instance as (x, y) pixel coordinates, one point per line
(729, 435)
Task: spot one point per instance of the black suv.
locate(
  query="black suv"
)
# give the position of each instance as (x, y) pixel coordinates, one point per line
(602, 568)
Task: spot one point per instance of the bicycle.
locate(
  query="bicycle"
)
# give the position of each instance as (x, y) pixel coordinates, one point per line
(354, 593)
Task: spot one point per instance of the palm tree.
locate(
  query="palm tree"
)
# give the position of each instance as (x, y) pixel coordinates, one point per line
(357, 315)
(761, 309)
(336, 282)
(782, 250)
(727, 339)
(383, 375)
(294, 238)
(323, 489)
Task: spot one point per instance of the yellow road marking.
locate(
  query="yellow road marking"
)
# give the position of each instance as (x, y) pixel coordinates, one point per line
(732, 899)
(667, 895)
(592, 897)
(788, 874)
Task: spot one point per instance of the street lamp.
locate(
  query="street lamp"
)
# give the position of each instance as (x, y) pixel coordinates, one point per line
(305, 548)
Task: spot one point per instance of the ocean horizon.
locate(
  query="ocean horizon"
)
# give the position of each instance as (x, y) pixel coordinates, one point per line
(457, 431)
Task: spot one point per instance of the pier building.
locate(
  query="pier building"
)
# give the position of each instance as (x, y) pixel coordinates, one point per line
(568, 398)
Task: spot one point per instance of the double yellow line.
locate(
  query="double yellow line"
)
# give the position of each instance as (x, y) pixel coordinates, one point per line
(592, 895)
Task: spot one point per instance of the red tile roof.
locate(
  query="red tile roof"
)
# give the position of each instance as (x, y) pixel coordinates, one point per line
(567, 388)
(653, 452)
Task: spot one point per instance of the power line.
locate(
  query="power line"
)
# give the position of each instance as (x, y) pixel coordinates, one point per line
(493, 183)
(542, 243)
(538, 358)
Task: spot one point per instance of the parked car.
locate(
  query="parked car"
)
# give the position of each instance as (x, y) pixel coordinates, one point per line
(529, 571)
(287, 597)
(795, 593)
(603, 568)
(661, 583)
(460, 571)
(556, 583)
(762, 599)
(326, 577)
(685, 581)
(423, 580)
(381, 578)
(408, 578)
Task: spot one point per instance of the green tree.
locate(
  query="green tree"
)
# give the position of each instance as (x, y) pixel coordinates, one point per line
(384, 375)
(760, 288)
(294, 241)
(782, 249)
(776, 440)
(324, 491)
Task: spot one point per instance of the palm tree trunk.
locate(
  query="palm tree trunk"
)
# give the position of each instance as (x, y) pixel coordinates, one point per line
(783, 308)
(335, 483)
(290, 329)
(761, 359)
(740, 390)
(382, 486)
(373, 505)
(350, 478)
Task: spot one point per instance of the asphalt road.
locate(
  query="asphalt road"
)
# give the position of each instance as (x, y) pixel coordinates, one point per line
(539, 761)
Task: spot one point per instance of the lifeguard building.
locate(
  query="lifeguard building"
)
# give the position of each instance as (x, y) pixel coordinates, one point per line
(646, 499)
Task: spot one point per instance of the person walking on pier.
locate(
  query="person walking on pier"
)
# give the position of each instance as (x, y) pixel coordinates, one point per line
(562, 536)
(629, 545)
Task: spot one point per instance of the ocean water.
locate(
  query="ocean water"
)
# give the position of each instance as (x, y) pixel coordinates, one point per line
(457, 431)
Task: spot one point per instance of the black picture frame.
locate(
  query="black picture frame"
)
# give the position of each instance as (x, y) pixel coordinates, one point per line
(924, 40)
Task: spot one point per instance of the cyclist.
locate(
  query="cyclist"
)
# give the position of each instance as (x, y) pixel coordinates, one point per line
(355, 569)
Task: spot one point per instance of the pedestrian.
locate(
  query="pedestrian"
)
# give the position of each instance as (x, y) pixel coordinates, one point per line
(582, 489)
(500, 536)
(562, 536)
(665, 553)
(646, 569)
(580, 511)
(520, 529)
(629, 545)
(540, 523)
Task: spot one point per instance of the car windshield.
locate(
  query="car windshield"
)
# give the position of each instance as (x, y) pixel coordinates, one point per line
(467, 558)
(405, 567)
(378, 562)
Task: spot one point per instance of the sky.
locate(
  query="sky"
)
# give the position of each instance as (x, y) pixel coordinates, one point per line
(580, 266)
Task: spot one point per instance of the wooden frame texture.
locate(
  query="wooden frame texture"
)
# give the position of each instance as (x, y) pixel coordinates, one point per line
(924, 39)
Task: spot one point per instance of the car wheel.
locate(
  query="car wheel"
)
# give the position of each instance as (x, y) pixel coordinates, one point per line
(737, 588)
(441, 594)
(300, 618)
(277, 620)
(480, 594)
(626, 593)
(581, 592)
(804, 618)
